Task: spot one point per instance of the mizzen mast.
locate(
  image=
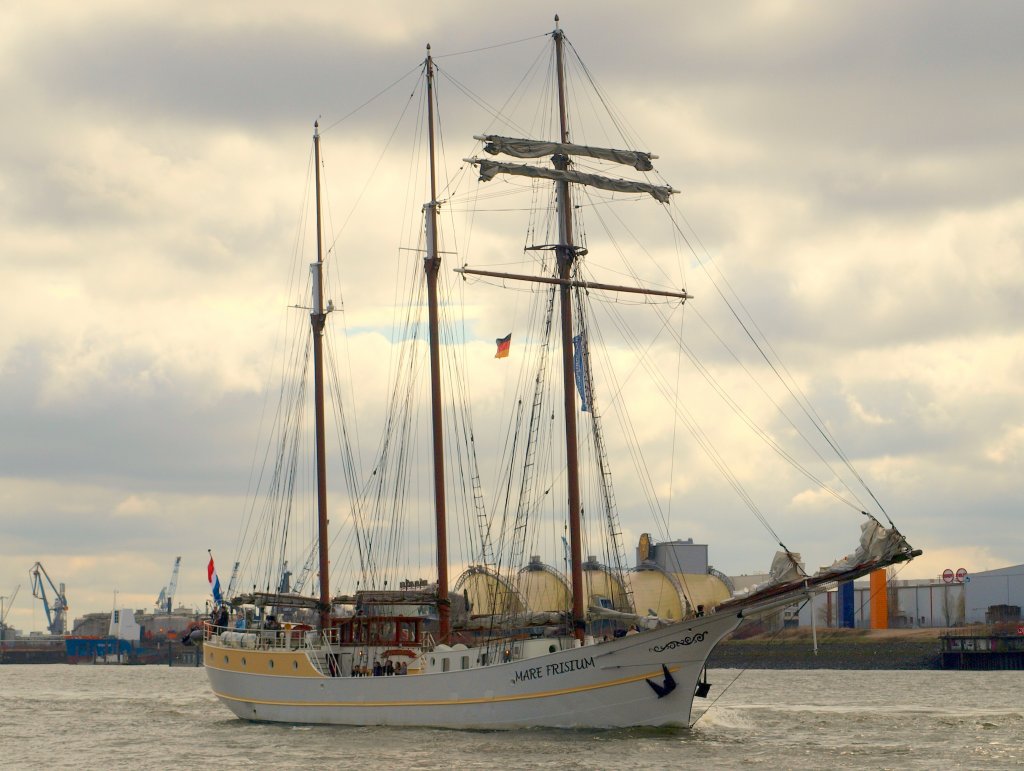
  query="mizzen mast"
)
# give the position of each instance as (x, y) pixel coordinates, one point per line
(431, 266)
(318, 319)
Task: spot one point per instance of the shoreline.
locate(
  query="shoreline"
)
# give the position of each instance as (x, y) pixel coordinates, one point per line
(837, 649)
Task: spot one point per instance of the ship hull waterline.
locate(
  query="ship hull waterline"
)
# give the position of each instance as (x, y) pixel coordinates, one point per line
(605, 685)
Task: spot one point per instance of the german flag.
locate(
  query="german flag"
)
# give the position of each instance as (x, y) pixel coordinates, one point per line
(503, 346)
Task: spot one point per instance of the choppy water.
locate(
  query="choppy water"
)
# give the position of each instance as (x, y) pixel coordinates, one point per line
(62, 716)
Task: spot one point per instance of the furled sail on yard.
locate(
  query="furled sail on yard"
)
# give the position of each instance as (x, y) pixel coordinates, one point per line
(536, 148)
(490, 169)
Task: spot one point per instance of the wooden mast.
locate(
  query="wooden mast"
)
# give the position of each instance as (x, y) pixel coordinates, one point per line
(318, 318)
(431, 266)
(566, 256)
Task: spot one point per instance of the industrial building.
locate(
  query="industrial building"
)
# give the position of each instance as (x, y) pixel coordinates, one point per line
(956, 598)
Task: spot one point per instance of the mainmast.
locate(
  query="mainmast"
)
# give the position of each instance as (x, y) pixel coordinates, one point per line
(566, 252)
(431, 266)
(317, 319)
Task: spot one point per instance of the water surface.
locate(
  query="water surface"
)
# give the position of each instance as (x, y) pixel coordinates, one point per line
(61, 716)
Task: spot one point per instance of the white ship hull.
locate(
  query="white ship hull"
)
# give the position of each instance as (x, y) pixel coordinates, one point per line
(599, 685)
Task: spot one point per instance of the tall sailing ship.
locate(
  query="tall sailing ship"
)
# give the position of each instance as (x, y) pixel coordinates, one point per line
(515, 642)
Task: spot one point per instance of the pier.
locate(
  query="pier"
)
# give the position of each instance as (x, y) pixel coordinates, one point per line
(983, 647)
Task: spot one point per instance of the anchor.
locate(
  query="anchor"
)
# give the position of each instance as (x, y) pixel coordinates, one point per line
(667, 687)
(703, 686)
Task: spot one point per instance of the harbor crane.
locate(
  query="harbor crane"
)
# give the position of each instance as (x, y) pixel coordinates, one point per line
(56, 613)
(4, 612)
(231, 583)
(307, 570)
(165, 602)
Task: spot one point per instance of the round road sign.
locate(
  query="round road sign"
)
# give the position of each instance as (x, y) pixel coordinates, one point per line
(947, 575)
(961, 575)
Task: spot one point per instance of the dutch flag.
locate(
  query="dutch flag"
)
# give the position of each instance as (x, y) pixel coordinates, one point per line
(211, 574)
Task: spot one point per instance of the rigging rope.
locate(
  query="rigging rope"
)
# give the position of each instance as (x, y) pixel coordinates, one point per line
(492, 47)
(369, 101)
(789, 384)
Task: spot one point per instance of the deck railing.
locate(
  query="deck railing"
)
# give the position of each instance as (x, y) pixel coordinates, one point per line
(283, 638)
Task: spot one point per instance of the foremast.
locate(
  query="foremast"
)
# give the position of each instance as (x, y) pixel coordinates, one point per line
(432, 266)
(318, 319)
(566, 252)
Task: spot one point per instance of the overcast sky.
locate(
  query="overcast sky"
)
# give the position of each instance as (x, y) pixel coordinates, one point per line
(855, 168)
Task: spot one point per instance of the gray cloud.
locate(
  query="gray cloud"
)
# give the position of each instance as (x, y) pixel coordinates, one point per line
(853, 168)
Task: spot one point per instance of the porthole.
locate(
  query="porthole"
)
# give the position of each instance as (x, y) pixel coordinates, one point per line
(226, 658)
(243, 661)
(551, 649)
(295, 665)
(270, 663)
